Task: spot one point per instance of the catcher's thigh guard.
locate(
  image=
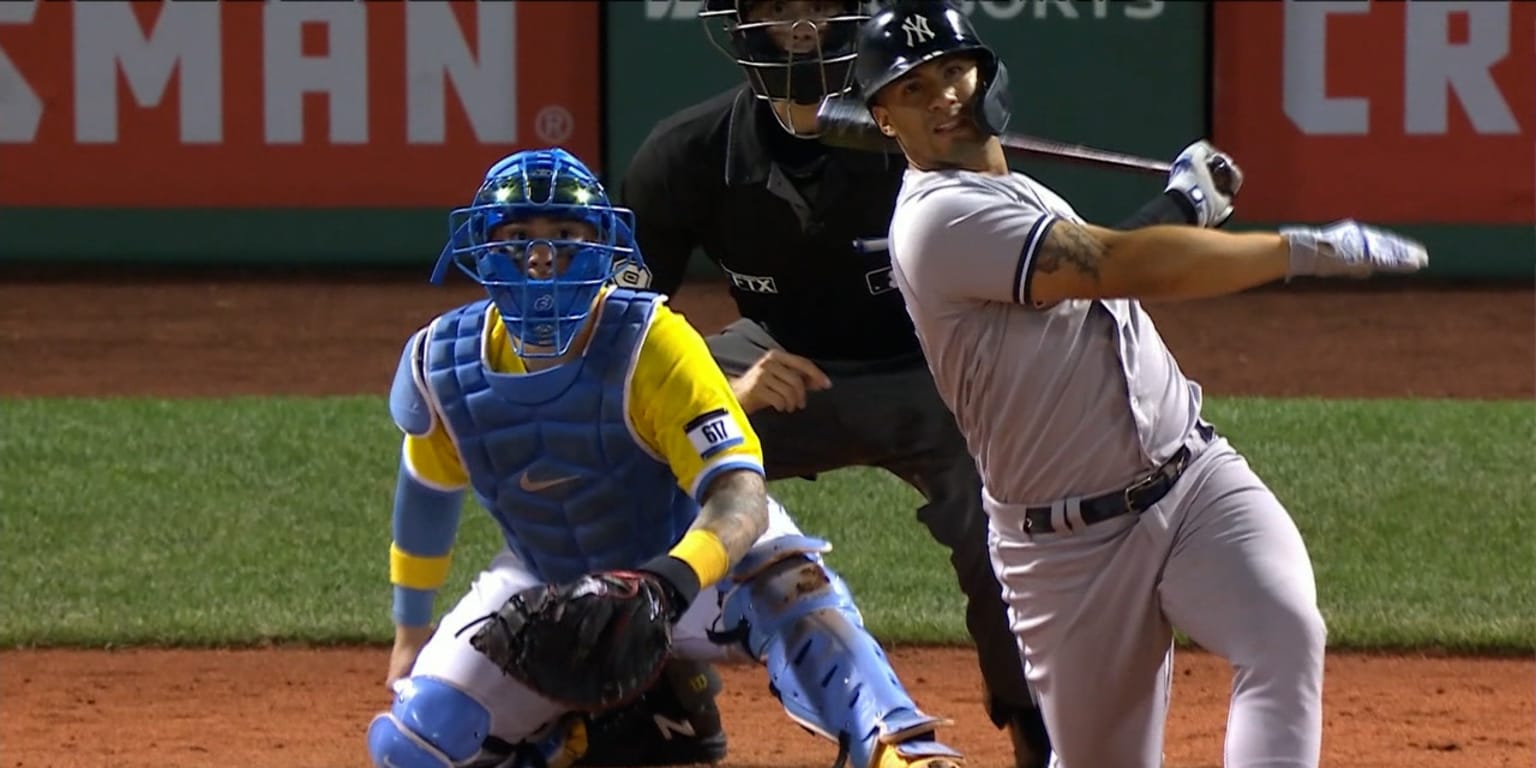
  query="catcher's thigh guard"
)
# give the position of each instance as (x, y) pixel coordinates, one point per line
(797, 614)
(431, 725)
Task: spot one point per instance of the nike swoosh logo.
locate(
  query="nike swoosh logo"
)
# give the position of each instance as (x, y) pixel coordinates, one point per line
(534, 486)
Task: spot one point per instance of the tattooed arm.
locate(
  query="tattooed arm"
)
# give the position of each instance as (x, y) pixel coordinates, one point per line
(1083, 261)
(682, 406)
(735, 510)
(968, 243)
(734, 514)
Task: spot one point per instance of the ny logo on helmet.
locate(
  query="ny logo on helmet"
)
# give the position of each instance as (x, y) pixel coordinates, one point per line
(917, 30)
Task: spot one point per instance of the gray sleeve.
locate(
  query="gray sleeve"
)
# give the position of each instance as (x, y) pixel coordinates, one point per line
(970, 243)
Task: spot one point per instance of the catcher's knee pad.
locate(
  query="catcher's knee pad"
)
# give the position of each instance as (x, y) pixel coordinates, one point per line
(798, 615)
(431, 725)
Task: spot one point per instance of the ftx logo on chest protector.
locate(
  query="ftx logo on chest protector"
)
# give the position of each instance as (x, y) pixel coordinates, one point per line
(714, 432)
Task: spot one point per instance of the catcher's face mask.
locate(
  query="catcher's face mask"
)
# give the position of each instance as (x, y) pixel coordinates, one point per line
(543, 238)
(796, 51)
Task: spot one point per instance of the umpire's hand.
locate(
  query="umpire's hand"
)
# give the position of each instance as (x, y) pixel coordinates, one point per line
(778, 380)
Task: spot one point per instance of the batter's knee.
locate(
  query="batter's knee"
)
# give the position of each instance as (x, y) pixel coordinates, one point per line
(1286, 643)
(431, 725)
(1298, 620)
(1308, 631)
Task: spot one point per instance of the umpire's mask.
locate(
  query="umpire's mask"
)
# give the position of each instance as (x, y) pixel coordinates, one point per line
(797, 51)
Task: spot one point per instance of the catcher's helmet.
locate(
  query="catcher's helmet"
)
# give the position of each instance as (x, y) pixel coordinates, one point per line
(546, 310)
(779, 73)
(911, 32)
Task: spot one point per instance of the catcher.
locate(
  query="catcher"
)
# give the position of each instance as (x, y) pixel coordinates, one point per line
(592, 424)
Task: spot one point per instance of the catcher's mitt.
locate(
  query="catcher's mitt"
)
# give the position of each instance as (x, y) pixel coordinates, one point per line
(592, 644)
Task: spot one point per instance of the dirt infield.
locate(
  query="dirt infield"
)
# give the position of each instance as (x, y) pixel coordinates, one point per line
(333, 335)
(303, 708)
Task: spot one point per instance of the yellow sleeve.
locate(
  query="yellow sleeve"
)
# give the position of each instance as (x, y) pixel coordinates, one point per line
(433, 460)
(425, 520)
(683, 408)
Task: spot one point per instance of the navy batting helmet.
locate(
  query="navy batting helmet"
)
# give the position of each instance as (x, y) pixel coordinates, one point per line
(909, 33)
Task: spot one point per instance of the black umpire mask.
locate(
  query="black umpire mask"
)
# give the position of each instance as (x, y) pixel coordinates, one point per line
(795, 51)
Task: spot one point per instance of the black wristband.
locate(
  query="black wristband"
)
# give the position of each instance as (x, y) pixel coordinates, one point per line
(1170, 207)
(679, 578)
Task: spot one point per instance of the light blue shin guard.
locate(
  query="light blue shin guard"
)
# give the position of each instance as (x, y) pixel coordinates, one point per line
(431, 725)
(797, 615)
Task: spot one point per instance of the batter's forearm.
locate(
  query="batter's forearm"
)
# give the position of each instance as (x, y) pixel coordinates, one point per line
(1163, 262)
(1078, 261)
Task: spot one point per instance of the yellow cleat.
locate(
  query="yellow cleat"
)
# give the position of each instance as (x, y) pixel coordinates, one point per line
(917, 754)
(567, 744)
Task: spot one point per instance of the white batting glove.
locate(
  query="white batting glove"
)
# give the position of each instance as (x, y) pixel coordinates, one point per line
(1348, 248)
(1208, 179)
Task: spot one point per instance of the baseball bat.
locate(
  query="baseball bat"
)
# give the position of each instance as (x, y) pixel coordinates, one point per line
(847, 124)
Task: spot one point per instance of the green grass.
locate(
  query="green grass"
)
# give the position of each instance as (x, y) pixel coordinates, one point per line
(1420, 515)
(126, 522)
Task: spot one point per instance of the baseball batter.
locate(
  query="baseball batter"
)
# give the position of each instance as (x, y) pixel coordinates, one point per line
(1116, 511)
(824, 358)
(592, 424)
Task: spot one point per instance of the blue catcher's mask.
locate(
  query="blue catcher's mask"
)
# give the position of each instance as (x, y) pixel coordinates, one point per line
(544, 283)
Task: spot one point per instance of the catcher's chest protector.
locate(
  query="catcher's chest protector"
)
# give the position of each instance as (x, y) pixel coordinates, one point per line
(550, 454)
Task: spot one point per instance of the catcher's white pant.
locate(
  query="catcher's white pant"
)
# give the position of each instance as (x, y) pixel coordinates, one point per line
(516, 712)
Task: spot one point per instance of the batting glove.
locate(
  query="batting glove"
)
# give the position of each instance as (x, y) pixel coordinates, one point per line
(1350, 249)
(1208, 179)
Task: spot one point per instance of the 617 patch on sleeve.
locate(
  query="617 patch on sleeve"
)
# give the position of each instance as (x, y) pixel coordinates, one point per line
(714, 432)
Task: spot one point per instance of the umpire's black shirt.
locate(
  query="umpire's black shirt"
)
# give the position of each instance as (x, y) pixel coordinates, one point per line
(781, 227)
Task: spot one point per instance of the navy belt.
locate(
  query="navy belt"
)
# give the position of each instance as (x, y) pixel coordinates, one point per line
(1133, 499)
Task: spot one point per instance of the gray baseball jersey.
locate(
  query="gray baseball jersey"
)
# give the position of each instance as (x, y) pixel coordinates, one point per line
(1083, 394)
(1081, 399)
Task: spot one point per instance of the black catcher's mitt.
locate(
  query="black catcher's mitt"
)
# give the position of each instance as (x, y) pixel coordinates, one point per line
(592, 644)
